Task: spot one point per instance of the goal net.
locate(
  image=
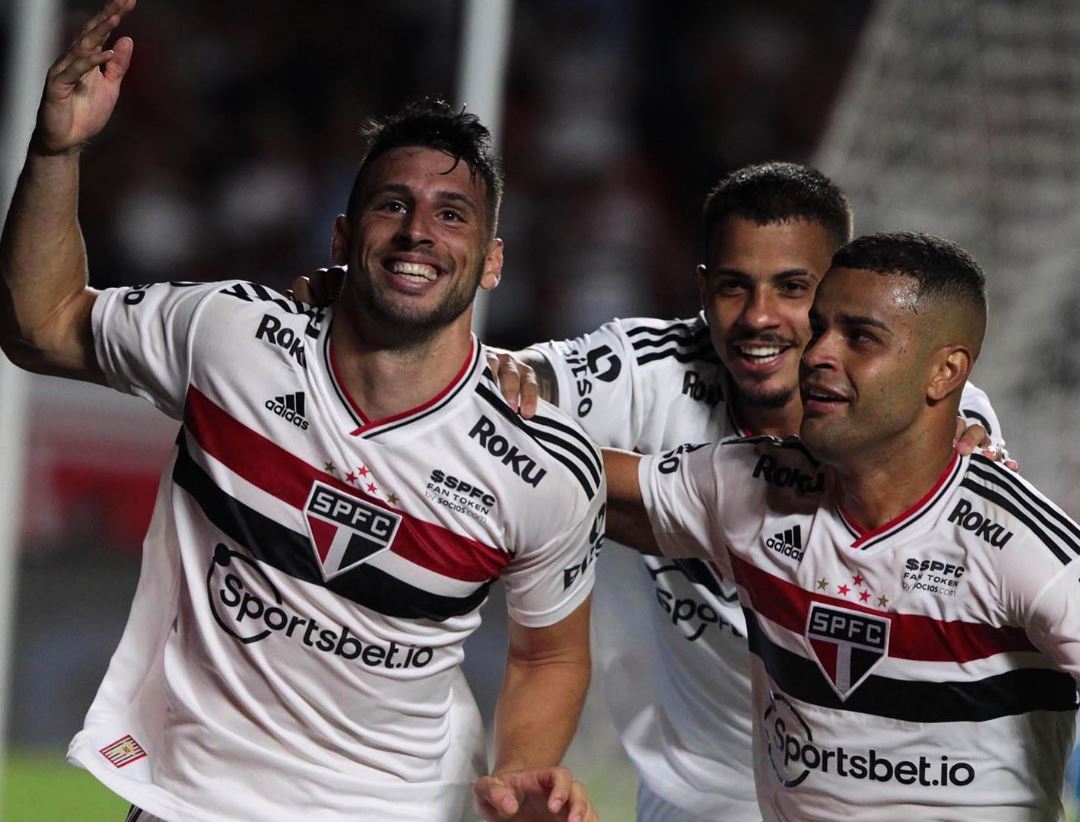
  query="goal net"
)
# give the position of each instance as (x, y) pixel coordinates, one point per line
(962, 118)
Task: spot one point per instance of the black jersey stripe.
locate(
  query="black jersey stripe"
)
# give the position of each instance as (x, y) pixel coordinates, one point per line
(1055, 519)
(678, 337)
(1019, 691)
(688, 327)
(968, 413)
(573, 466)
(280, 547)
(1015, 510)
(703, 354)
(590, 454)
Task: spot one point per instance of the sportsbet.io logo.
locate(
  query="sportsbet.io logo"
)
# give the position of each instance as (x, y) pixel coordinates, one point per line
(795, 755)
(248, 607)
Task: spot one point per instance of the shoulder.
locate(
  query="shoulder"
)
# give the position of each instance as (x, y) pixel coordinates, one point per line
(549, 451)
(1005, 510)
(670, 341)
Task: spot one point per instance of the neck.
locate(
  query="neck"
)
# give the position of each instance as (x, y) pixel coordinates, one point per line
(776, 422)
(879, 485)
(387, 377)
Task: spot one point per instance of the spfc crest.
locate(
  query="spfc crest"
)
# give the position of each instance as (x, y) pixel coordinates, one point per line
(345, 530)
(846, 644)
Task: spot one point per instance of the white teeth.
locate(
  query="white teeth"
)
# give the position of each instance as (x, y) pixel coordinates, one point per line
(763, 352)
(417, 270)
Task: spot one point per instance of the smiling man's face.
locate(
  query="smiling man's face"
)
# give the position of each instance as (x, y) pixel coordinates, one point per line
(756, 288)
(418, 243)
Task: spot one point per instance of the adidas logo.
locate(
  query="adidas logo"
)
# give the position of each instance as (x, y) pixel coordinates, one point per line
(291, 408)
(788, 543)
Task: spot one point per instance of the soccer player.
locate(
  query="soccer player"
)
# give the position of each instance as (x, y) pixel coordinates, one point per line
(679, 691)
(346, 485)
(913, 615)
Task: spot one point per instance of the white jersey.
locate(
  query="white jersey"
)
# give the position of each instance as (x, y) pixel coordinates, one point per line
(924, 670)
(310, 575)
(679, 691)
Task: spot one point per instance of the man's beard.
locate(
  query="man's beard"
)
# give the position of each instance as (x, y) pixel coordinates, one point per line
(762, 398)
(398, 324)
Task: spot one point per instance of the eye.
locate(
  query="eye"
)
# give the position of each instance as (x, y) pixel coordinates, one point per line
(728, 286)
(794, 288)
(452, 215)
(391, 206)
(860, 337)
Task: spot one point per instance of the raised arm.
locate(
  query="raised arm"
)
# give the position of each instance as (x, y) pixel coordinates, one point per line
(45, 303)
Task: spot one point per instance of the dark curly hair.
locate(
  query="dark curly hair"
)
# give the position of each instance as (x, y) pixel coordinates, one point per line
(433, 124)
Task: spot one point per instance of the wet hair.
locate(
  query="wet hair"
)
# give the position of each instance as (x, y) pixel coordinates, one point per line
(431, 123)
(942, 269)
(778, 193)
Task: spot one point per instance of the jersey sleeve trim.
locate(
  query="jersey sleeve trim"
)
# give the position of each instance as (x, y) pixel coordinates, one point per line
(574, 452)
(680, 341)
(1057, 533)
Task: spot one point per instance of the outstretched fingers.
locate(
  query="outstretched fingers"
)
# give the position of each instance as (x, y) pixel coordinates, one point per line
(86, 52)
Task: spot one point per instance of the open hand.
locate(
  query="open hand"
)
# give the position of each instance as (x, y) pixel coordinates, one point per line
(82, 86)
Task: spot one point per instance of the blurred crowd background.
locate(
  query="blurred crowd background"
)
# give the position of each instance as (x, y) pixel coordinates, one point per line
(233, 148)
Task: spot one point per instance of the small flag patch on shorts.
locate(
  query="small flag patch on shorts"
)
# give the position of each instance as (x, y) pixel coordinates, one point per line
(123, 751)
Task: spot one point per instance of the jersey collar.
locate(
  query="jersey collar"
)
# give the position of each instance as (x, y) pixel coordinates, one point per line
(865, 539)
(366, 427)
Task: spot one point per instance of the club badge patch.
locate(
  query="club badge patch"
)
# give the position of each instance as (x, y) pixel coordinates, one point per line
(346, 531)
(123, 751)
(846, 644)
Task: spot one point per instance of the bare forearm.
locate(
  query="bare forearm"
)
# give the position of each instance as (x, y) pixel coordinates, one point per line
(627, 521)
(538, 712)
(42, 255)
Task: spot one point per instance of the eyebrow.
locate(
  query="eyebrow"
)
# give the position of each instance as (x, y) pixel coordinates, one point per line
(402, 189)
(860, 319)
(787, 273)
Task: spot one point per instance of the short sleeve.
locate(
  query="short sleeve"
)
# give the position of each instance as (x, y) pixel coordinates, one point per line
(596, 375)
(544, 585)
(143, 339)
(681, 490)
(1040, 579)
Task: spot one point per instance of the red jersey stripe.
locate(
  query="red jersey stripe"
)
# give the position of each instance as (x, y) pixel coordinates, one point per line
(266, 465)
(912, 636)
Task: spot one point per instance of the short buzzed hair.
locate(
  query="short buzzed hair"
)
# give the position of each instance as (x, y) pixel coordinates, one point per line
(432, 123)
(778, 193)
(942, 269)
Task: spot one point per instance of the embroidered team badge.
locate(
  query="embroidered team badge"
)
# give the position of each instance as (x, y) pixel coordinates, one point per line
(345, 530)
(846, 644)
(123, 751)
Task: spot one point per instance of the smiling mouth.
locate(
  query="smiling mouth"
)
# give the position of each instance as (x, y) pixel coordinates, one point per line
(823, 395)
(415, 272)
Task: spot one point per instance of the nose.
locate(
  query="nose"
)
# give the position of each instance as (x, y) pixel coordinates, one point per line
(415, 229)
(759, 310)
(821, 351)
